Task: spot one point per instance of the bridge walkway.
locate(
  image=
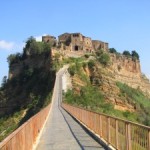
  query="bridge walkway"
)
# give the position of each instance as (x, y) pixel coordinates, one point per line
(61, 131)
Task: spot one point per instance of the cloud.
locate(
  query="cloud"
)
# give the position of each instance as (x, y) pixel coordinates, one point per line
(11, 47)
(4, 45)
(39, 38)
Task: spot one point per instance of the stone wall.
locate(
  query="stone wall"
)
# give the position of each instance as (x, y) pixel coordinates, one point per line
(64, 38)
(78, 42)
(87, 44)
(49, 39)
(99, 45)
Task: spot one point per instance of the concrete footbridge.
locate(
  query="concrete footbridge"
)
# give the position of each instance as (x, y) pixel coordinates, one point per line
(61, 131)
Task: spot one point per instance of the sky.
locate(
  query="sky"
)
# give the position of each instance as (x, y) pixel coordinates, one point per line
(124, 24)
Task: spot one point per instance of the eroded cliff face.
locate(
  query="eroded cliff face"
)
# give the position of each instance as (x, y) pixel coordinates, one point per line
(124, 70)
(128, 70)
(28, 78)
(124, 66)
(36, 61)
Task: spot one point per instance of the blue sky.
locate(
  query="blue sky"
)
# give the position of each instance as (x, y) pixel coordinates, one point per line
(124, 24)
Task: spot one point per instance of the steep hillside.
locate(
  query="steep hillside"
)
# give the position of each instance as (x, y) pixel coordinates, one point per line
(104, 83)
(29, 87)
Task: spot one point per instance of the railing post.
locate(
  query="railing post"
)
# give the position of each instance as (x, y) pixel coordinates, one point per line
(100, 125)
(108, 126)
(116, 121)
(148, 139)
(128, 136)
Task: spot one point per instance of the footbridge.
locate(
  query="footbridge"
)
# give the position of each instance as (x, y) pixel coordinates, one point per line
(61, 126)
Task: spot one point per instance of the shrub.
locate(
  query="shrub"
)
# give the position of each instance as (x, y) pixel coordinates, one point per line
(104, 59)
(72, 70)
(126, 53)
(142, 102)
(91, 64)
(99, 52)
(112, 50)
(135, 55)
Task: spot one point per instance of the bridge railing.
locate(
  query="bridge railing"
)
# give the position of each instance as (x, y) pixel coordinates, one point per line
(25, 136)
(121, 134)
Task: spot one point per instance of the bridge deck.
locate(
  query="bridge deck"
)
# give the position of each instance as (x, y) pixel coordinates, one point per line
(61, 131)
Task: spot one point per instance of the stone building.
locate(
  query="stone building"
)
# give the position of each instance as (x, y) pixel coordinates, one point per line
(100, 45)
(49, 39)
(76, 42)
(81, 43)
(65, 39)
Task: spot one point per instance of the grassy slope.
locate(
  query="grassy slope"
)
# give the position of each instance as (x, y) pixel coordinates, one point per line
(90, 97)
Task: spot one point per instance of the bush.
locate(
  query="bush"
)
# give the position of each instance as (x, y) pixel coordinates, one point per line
(126, 53)
(104, 59)
(135, 55)
(99, 52)
(72, 70)
(112, 50)
(14, 58)
(141, 102)
(91, 64)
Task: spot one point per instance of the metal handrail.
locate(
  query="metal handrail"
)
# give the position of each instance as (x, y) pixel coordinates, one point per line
(121, 134)
(25, 136)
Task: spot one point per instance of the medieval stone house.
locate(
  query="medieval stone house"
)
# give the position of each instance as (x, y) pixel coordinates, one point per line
(76, 42)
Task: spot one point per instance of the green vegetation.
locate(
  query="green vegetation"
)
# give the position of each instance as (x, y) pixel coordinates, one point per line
(133, 54)
(91, 64)
(77, 68)
(142, 103)
(9, 123)
(126, 53)
(30, 89)
(31, 48)
(112, 50)
(90, 96)
(103, 57)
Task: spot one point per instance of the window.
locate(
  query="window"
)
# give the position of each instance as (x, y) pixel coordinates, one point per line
(76, 48)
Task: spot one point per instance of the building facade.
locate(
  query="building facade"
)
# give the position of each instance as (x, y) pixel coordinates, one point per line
(76, 42)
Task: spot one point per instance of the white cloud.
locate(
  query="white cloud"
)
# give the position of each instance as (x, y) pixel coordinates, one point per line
(4, 45)
(39, 38)
(11, 47)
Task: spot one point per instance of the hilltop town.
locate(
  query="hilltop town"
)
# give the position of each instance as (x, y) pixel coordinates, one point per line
(75, 42)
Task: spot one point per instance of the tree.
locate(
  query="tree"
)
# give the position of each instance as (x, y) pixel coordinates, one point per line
(99, 52)
(4, 81)
(135, 54)
(11, 59)
(33, 47)
(126, 53)
(112, 50)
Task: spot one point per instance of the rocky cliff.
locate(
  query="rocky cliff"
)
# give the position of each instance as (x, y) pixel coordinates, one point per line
(29, 79)
(128, 70)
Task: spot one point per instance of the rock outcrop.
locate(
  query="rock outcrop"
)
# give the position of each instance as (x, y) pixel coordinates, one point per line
(128, 70)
